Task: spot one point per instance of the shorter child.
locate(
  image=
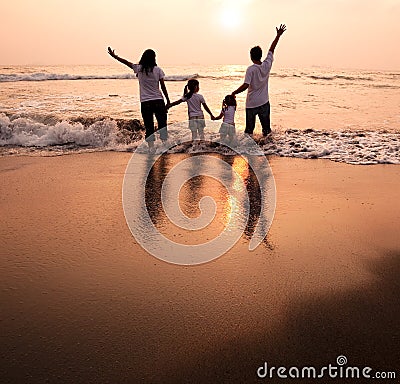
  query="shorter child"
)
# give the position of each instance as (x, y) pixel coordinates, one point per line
(194, 102)
(227, 129)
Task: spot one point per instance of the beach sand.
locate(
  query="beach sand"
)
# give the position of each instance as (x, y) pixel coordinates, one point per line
(81, 302)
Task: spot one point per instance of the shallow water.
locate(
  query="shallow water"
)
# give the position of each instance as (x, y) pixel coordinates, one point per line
(344, 115)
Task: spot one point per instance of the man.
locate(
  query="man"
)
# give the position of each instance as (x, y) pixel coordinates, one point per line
(256, 81)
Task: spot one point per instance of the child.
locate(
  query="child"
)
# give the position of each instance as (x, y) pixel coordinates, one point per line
(194, 102)
(228, 123)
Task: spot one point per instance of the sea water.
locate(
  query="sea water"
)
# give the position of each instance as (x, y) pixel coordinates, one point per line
(350, 116)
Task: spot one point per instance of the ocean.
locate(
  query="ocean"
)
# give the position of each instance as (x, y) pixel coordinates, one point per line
(349, 116)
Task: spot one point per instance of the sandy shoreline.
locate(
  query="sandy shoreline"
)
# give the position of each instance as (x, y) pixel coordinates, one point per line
(82, 302)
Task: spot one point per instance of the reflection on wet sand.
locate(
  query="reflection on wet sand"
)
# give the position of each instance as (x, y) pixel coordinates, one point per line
(201, 186)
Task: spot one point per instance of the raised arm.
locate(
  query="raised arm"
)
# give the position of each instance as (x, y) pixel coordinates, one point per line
(279, 33)
(120, 59)
(164, 90)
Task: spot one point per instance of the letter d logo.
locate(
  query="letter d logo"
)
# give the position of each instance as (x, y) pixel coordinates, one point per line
(262, 371)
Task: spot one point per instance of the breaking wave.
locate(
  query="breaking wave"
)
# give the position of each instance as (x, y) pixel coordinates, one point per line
(43, 76)
(39, 76)
(48, 136)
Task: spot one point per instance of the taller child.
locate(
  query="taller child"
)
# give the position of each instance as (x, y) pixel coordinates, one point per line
(256, 82)
(151, 78)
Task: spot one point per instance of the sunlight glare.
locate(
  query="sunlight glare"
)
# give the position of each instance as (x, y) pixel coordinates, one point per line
(230, 18)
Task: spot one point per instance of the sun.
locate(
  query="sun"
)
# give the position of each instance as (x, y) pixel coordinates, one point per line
(230, 18)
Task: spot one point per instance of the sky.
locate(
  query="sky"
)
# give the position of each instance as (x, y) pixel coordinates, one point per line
(345, 34)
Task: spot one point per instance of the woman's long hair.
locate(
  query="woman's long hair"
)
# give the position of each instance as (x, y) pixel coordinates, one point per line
(190, 87)
(148, 61)
(229, 101)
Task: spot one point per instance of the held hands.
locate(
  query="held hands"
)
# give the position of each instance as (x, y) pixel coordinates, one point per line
(281, 29)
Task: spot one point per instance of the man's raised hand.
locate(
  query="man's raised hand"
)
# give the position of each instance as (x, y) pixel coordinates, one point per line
(281, 29)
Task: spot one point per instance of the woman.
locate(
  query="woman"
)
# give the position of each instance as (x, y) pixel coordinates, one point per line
(150, 77)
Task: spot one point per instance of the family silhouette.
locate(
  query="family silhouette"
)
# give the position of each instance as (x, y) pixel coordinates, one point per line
(152, 91)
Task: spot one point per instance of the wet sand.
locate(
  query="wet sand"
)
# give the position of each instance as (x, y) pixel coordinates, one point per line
(81, 302)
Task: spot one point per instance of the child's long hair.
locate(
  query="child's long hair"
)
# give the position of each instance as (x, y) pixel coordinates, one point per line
(148, 61)
(190, 87)
(229, 101)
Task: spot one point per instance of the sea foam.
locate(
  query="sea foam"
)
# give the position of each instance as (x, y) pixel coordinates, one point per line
(40, 76)
(25, 132)
(102, 134)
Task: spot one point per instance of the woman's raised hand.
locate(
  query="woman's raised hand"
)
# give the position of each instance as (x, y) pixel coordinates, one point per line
(111, 52)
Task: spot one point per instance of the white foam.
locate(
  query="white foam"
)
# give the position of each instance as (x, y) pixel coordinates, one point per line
(365, 147)
(353, 147)
(25, 132)
(181, 77)
(4, 78)
(54, 76)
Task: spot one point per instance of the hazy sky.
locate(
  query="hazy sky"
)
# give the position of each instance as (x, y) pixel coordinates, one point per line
(335, 33)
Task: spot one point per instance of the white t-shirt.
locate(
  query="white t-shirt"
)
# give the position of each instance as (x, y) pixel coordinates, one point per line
(149, 84)
(257, 77)
(229, 115)
(194, 105)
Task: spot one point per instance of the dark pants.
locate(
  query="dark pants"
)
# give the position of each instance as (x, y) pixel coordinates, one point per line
(263, 112)
(157, 108)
